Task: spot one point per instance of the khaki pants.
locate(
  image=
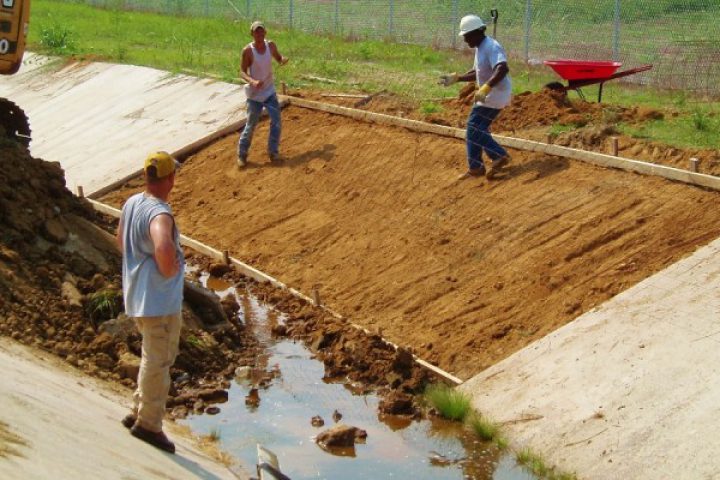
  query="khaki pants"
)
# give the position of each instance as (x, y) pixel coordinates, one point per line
(160, 337)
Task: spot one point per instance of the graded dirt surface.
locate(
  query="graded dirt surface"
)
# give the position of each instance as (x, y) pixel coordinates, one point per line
(464, 273)
(586, 125)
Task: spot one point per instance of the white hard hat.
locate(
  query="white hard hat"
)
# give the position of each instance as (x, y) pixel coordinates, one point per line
(469, 23)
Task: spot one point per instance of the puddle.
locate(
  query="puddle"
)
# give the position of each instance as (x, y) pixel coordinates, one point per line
(291, 392)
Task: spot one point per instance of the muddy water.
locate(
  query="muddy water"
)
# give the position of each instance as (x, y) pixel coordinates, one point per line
(291, 391)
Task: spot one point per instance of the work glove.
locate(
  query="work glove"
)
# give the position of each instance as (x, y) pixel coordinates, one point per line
(449, 79)
(482, 93)
(284, 60)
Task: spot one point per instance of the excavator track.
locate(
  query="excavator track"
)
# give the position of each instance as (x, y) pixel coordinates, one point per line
(14, 122)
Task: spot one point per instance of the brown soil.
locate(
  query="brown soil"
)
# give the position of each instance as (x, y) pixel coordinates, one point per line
(531, 114)
(49, 243)
(463, 273)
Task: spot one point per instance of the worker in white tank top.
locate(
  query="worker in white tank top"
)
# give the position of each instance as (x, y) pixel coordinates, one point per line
(256, 70)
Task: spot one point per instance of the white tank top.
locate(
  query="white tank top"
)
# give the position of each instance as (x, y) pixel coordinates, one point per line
(261, 69)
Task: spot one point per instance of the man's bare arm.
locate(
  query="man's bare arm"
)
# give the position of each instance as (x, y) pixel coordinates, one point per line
(161, 232)
(276, 54)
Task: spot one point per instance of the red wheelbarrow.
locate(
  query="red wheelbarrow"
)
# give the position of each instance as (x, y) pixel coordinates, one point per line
(581, 73)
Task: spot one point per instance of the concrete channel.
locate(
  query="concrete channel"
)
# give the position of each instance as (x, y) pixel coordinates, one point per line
(627, 390)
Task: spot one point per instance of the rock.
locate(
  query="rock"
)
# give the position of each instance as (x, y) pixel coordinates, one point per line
(119, 328)
(336, 416)
(98, 281)
(71, 294)
(279, 330)
(317, 421)
(403, 360)
(213, 395)
(218, 269)
(253, 398)
(128, 366)
(397, 403)
(102, 343)
(104, 361)
(212, 410)
(340, 436)
(242, 373)
(55, 231)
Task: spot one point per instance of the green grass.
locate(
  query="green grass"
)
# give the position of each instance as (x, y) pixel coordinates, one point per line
(211, 47)
(536, 465)
(449, 402)
(104, 305)
(483, 428)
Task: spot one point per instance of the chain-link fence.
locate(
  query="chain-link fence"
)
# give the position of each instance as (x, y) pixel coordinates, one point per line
(681, 38)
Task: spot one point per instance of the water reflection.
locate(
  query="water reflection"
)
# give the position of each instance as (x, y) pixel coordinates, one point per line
(275, 405)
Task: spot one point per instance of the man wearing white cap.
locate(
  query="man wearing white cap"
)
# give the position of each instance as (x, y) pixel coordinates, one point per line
(491, 74)
(256, 70)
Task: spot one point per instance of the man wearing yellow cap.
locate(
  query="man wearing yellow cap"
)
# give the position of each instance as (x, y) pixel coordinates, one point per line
(153, 277)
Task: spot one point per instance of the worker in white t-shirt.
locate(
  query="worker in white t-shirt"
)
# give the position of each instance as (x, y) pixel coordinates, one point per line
(490, 71)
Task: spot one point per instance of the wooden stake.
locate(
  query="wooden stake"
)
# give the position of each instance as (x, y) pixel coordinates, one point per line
(284, 88)
(694, 164)
(81, 193)
(316, 297)
(614, 146)
(226, 257)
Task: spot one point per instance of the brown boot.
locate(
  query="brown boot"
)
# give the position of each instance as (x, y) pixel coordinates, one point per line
(156, 439)
(497, 165)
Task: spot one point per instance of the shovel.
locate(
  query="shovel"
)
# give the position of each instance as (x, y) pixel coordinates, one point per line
(494, 15)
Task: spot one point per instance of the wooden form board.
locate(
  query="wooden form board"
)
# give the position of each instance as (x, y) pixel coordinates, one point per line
(600, 159)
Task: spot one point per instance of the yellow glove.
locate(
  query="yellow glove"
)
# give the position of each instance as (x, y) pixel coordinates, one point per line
(449, 79)
(482, 93)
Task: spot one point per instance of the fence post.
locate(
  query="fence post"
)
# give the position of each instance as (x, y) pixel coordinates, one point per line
(528, 22)
(392, 17)
(337, 15)
(292, 8)
(616, 32)
(454, 23)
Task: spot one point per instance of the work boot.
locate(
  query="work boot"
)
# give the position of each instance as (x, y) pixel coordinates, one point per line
(497, 165)
(156, 439)
(472, 172)
(276, 158)
(242, 161)
(129, 420)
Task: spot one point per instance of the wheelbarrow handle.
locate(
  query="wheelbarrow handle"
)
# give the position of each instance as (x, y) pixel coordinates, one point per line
(494, 15)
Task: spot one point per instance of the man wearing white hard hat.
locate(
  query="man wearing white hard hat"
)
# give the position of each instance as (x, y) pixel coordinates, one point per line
(490, 71)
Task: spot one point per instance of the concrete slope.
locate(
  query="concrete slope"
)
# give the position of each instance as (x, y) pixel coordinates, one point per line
(629, 390)
(57, 423)
(100, 120)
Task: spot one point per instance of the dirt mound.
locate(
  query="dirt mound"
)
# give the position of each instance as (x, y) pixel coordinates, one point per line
(60, 284)
(465, 273)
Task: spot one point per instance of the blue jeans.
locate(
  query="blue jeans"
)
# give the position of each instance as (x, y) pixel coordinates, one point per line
(254, 109)
(478, 137)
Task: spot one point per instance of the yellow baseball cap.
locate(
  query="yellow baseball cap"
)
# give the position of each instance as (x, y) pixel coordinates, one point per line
(163, 162)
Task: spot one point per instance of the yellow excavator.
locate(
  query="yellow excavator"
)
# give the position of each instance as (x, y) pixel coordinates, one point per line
(14, 20)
